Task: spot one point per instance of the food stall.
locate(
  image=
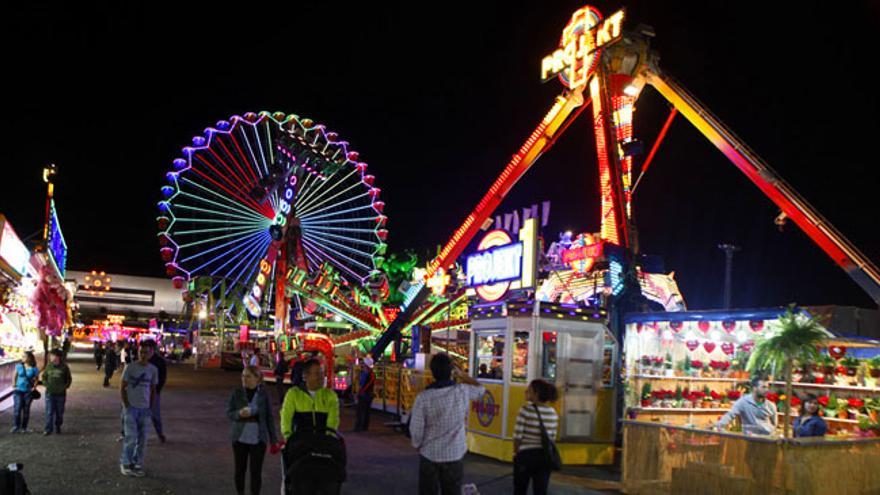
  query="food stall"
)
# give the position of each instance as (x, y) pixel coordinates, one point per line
(18, 332)
(513, 343)
(687, 368)
(684, 370)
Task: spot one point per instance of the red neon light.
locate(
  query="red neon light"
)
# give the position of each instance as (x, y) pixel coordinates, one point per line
(244, 174)
(608, 232)
(265, 209)
(660, 138)
(490, 201)
(581, 253)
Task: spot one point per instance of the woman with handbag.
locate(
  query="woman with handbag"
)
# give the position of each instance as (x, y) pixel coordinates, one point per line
(253, 428)
(25, 380)
(536, 454)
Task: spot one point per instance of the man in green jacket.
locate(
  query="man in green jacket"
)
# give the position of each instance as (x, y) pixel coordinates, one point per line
(310, 406)
(56, 379)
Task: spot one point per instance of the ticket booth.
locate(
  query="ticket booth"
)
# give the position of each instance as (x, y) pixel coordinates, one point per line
(513, 343)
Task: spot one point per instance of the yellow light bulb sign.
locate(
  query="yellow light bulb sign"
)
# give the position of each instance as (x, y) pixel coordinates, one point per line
(582, 39)
(97, 283)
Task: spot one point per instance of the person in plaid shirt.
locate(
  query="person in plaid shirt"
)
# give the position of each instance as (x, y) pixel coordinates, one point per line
(437, 427)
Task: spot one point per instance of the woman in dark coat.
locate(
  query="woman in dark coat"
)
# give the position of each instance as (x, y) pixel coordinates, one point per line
(253, 428)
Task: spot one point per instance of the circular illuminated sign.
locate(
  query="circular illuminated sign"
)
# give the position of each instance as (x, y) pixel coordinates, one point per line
(580, 46)
(574, 46)
(492, 239)
(486, 408)
(97, 283)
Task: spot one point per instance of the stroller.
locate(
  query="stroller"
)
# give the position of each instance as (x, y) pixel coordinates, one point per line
(12, 481)
(318, 454)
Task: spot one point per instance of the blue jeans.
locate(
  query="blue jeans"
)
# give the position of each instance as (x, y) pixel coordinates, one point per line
(156, 415)
(134, 423)
(55, 411)
(21, 409)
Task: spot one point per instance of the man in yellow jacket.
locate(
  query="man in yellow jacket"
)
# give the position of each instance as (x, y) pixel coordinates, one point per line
(310, 406)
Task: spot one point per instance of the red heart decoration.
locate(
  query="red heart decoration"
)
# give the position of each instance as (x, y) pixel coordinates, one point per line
(639, 327)
(756, 325)
(675, 326)
(728, 348)
(748, 346)
(728, 325)
(837, 351)
(709, 346)
(703, 326)
(692, 345)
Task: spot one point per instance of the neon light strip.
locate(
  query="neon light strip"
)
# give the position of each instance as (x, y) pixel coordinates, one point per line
(313, 193)
(304, 188)
(263, 220)
(218, 213)
(349, 239)
(608, 217)
(312, 258)
(269, 146)
(239, 180)
(247, 228)
(251, 148)
(255, 265)
(237, 248)
(249, 202)
(233, 205)
(318, 227)
(324, 242)
(219, 246)
(241, 213)
(349, 249)
(249, 179)
(523, 159)
(249, 259)
(310, 207)
(314, 215)
(344, 220)
(335, 261)
(261, 148)
(245, 247)
(250, 166)
(313, 212)
(196, 243)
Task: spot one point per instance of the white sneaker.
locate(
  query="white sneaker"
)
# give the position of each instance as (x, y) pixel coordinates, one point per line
(125, 470)
(138, 471)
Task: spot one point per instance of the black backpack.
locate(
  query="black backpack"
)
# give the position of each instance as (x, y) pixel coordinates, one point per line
(320, 453)
(12, 482)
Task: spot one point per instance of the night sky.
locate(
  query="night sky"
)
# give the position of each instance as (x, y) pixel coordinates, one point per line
(436, 102)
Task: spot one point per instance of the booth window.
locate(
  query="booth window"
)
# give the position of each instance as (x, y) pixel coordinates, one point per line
(520, 371)
(490, 356)
(548, 355)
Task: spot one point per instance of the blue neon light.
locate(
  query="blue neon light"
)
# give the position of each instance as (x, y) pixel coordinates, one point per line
(56, 245)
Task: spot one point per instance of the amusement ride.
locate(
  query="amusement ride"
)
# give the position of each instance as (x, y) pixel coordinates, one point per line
(276, 219)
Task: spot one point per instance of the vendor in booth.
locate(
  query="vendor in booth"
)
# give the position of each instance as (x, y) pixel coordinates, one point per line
(809, 423)
(758, 415)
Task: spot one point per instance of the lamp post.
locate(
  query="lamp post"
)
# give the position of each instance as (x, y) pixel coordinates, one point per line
(728, 249)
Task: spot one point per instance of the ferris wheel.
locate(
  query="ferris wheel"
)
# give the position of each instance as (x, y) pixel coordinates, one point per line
(263, 191)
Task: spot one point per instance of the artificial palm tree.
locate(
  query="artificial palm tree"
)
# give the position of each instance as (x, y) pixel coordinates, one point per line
(795, 340)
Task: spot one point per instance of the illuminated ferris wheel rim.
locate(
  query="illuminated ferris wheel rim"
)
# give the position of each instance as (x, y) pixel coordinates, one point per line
(336, 205)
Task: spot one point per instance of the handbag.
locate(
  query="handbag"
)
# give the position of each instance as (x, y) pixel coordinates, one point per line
(551, 453)
(36, 395)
